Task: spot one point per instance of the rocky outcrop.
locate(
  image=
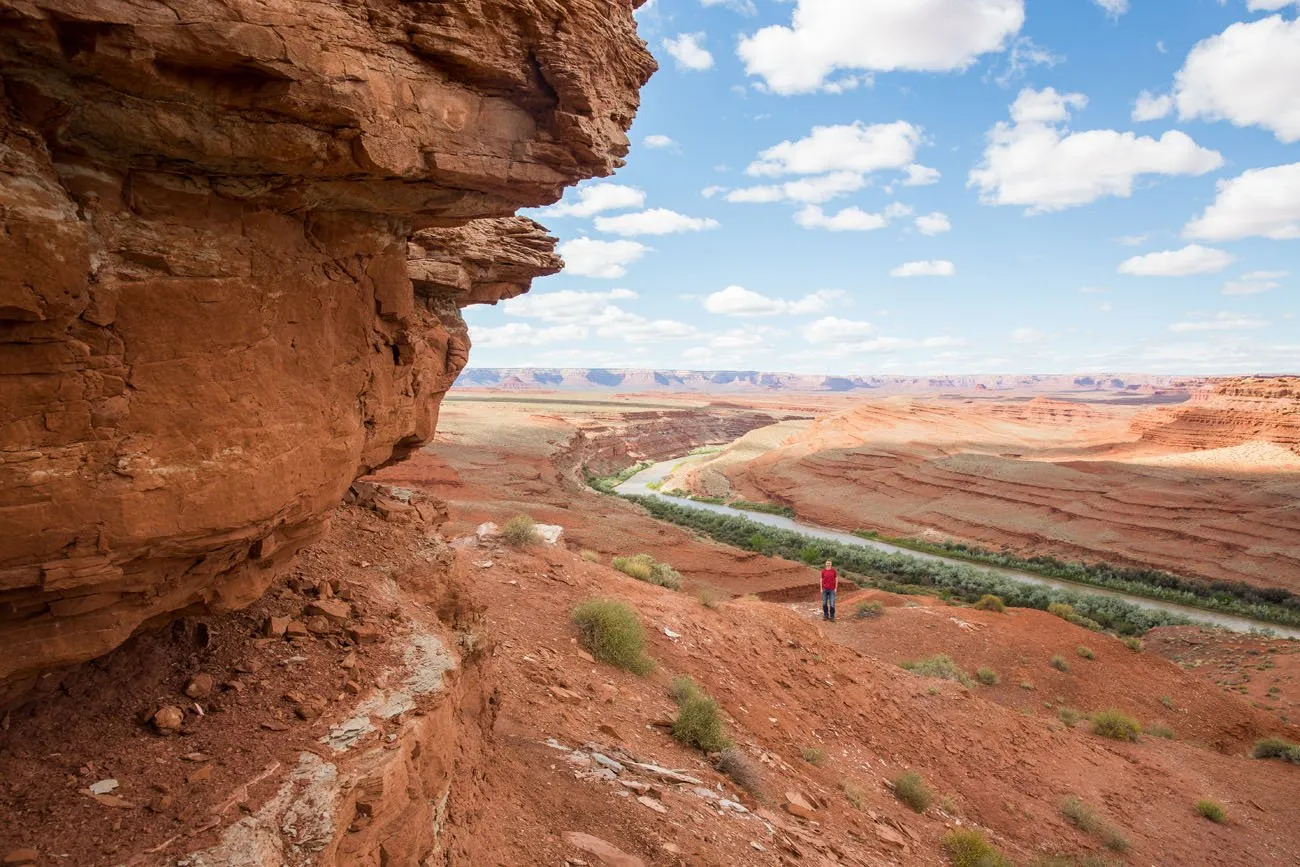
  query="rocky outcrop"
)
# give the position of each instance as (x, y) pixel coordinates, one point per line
(207, 327)
(1230, 413)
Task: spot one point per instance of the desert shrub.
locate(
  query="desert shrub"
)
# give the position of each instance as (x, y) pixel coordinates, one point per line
(1086, 859)
(1069, 716)
(813, 755)
(940, 665)
(1062, 610)
(868, 610)
(643, 567)
(1086, 652)
(987, 676)
(709, 597)
(1028, 685)
(912, 791)
(971, 848)
(1160, 731)
(1116, 725)
(742, 770)
(1083, 818)
(682, 689)
(699, 724)
(989, 602)
(1277, 748)
(1167, 701)
(520, 532)
(589, 555)
(854, 794)
(1058, 662)
(1133, 643)
(610, 631)
(1212, 810)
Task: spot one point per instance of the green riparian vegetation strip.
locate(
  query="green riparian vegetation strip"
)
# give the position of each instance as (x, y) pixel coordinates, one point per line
(902, 573)
(1274, 604)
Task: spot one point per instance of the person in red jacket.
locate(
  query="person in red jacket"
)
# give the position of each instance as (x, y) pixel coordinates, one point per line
(830, 583)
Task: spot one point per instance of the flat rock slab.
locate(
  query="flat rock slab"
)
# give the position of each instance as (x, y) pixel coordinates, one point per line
(608, 854)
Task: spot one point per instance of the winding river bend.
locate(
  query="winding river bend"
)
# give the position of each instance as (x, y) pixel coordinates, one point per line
(639, 485)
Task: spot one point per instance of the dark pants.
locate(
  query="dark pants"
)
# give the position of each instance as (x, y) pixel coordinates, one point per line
(828, 605)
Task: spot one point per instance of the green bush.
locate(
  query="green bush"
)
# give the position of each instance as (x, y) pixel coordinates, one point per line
(1277, 748)
(972, 849)
(520, 532)
(1133, 643)
(1062, 610)
(1116, 725)
(610, 631)
(1058, 662)
(1086, 652)
(699, 724)
(987, 676)
(743, 770)
(868, 610)
(1069, 716)
(813, 756)
(940, 665)
(1160, 731)
(989, 602)
(1212, 810)
(912, 791)
(1083, 818)
(643, 567)
(682, 689)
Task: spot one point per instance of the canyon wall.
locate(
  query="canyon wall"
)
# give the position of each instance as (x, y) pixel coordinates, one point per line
(1229, 413)
(236, 236)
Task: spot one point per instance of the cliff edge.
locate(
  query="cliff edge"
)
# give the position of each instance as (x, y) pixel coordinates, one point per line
(207, 325)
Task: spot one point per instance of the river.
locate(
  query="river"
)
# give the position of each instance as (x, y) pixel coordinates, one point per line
(639, 485)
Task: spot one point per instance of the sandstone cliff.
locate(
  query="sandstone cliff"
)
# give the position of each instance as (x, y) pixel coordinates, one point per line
(1230, 413)
(207, 328)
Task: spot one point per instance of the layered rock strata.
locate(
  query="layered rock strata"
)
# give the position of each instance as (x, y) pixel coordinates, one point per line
(207, 327)
(1230, 413)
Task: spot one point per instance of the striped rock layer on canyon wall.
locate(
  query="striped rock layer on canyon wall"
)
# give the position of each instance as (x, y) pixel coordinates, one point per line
(207, 325)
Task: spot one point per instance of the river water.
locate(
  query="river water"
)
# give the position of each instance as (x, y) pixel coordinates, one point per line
(639, 485)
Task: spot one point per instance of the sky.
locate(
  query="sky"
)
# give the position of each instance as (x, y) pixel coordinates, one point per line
(938, 186)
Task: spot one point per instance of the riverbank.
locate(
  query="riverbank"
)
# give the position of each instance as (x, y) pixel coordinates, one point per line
(639, 486)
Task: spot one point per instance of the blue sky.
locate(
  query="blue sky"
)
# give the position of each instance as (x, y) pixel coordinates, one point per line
(926, 186)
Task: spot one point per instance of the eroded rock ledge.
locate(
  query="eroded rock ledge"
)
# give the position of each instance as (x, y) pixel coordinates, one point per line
(207, 328)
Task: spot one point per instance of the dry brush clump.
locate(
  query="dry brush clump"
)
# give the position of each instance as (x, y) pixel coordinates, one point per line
(698, 723)
(643, 567)
(912, 791)
(742, 770)
(520, 532)
(1212, 810)
(1277, 748)
(610, 631)
(989, 602)
(941, 666)
(869, 610)
(987, 676)
(1116, 725)
(1086, 820)
(970, 848)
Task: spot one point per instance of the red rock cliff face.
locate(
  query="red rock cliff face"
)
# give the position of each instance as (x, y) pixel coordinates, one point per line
(207, 327)
(1231, 412)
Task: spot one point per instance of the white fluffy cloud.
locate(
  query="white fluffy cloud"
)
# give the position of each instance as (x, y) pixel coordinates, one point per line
(516, 334)
(851, 219)
(927, 268)
(1219, 322)
(603, 259)
(565, 307)
(855, 147)
(1149, 106)
(745, 7)
(1245, 75)
(933, 224)
(745, 303)
(656, 221)
(836, 337)
(1036, 162)
(877, 35)
(920, 176)
(689, 51)
(1027, 336)
(1254, 282)
(658, 141)
(1193, 259)
(1257, 203)
(816, 190)
(1114, 8)
(596, 198)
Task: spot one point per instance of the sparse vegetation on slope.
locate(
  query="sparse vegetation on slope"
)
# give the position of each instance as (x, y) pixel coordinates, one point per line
(1086, 820)
(912, 791)
(868, 610)
(742, 770)
(972, 849)
(987, 676)
(698, 723)
(1277, 748)
(1116, 725)
(643, 567)
(611, 632)
(1212, 810)
(898, 572)
(989, 602)
(520, 532)
(940, 665)
(607, 484)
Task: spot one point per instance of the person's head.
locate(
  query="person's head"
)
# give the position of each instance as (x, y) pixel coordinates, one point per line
(828, 564)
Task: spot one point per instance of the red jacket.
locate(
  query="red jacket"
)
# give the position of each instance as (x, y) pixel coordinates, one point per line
(830, 579)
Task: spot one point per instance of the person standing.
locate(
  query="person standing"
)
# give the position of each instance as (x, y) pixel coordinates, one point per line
(830, 584)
